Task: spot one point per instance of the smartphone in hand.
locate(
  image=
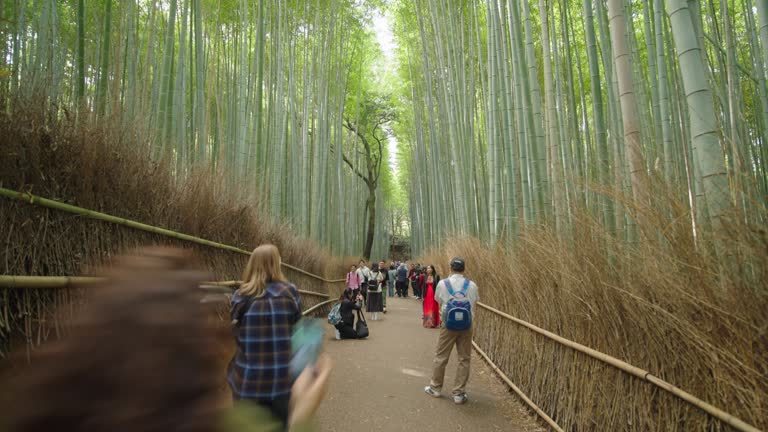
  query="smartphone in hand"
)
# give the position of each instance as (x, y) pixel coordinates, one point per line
(306, 344)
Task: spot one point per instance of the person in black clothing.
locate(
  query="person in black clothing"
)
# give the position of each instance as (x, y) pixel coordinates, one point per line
(349, 305)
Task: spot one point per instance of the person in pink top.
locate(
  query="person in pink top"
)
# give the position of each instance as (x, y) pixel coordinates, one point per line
(353, 279)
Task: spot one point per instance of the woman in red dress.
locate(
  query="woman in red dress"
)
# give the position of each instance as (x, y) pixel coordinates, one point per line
(431, 308)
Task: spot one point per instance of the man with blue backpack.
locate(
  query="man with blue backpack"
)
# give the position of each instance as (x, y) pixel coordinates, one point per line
(457, 296)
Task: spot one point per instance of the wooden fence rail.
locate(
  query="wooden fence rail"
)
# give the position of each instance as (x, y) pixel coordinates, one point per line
(51, 282)
(635, 371)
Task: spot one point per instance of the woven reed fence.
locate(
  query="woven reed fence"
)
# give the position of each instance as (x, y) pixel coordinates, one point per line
(34, 307)
(490, 323)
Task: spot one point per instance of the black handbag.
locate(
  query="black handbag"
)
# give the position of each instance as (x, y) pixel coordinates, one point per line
(361, 328)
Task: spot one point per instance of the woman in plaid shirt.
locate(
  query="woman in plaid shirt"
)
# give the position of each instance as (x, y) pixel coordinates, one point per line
(264, 309)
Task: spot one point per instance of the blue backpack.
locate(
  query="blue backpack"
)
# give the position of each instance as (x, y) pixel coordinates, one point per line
(458, 310)
(334, 317)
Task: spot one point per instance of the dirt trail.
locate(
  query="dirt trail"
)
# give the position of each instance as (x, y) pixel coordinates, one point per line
(378, 383)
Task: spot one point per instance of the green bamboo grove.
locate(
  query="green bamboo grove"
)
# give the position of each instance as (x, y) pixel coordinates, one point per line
(258, 90)
(519, 113)
(508, 114)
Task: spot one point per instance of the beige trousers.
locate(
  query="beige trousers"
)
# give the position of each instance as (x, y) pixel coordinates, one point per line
(463, 342)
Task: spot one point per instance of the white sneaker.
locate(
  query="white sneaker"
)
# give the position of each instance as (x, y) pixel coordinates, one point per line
(338, 334)
(460, 398)
(432, 392)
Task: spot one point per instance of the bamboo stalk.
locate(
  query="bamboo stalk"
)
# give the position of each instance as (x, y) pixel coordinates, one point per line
(633, 370)
(34, 282)
(517, 390)
(56, 205)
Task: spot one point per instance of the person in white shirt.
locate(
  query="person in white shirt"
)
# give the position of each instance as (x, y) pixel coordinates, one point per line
(448, 338)
(364, 274)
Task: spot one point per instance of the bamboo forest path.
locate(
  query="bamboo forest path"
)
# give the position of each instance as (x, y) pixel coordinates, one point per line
(377, 383)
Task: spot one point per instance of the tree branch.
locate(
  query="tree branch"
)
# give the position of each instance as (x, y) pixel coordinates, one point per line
(381, 148)
(355, 170)
(348, 125)
(368, 156)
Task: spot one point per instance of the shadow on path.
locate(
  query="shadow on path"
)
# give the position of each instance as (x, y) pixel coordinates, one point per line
(378, 383)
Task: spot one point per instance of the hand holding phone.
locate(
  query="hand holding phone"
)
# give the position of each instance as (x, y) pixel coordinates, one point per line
(306, 344)
(309, 390)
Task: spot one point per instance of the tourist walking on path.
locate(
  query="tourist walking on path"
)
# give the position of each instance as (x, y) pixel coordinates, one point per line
(349, 304)
(371, 280)
(363, 274)
(265, 309)
(401, 283)
(457, 297)
(353, 280)
(431, 308)
(418, 283)
(411, 280)
(385, 270)
(392, 273)
(376, 292)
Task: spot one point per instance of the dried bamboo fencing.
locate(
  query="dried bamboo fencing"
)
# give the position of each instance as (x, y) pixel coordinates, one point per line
(44, 202)
(625, 367)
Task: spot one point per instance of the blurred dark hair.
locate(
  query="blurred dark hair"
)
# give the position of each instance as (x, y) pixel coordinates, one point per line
(138, 358)
(346, 294)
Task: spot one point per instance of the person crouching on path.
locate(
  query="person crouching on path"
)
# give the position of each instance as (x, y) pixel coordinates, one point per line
(453, 293)
(353, 280)
(350, 303)
(376, 291)
(264, 309)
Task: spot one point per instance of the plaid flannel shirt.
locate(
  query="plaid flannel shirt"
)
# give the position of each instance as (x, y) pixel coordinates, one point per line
(260, 367)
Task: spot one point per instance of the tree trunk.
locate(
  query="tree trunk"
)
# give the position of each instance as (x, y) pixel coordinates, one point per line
(371, 204)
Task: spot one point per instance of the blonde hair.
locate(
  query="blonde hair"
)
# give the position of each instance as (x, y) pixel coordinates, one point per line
(263, 268)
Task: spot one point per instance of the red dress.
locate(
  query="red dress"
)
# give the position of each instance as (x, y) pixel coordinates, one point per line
(431, 308)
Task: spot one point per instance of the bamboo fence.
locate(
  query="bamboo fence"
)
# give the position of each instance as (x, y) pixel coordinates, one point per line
(517, 390)
(44, 202)
(642, 374)
(42, 282)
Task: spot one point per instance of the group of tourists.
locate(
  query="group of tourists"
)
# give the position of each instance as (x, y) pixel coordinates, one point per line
(447, 304)
(166, 354)
(369, 287)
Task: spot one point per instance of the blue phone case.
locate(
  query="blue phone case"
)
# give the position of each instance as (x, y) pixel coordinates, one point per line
(306, 344)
